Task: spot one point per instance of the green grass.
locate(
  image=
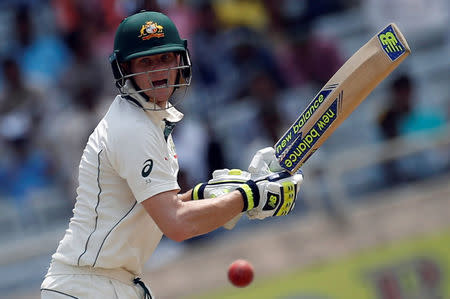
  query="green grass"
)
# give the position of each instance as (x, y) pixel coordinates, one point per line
(348, 277)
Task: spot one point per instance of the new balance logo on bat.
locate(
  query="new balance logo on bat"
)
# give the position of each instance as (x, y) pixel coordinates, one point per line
(390, 43)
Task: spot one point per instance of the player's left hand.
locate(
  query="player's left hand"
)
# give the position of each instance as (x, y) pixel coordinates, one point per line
(223, 181)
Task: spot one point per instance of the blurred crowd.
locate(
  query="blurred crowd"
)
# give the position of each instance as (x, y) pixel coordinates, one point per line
(249, 58)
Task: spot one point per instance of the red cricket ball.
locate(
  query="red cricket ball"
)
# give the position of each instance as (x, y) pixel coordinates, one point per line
(240, 273)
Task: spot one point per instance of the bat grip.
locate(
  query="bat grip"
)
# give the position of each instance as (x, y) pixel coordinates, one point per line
(274, 176)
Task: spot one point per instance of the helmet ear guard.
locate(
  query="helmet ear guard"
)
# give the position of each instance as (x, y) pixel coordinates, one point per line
(186, 71)
(117, 70)
(186, 60)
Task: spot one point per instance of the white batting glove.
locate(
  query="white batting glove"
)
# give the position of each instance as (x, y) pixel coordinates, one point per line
(263, 163)
(277, 195)
(274, 184)
(223, 181)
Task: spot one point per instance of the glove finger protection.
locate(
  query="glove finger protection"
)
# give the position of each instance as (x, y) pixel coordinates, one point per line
(263, 163)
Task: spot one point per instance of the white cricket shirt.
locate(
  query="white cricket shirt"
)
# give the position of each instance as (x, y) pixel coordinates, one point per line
(129, 157)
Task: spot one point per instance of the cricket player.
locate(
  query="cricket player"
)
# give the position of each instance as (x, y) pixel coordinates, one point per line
(128, 195)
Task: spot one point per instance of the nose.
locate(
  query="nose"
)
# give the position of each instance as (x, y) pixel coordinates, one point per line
(160, 66)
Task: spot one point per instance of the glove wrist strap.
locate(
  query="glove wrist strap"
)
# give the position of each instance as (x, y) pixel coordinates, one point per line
(250, 195)
(198, 191)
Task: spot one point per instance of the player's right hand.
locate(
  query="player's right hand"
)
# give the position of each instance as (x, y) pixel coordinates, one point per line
(264, 162)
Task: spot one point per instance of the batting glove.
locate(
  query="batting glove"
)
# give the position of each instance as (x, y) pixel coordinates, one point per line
(223, 181)
(263, 163)
(272, 196)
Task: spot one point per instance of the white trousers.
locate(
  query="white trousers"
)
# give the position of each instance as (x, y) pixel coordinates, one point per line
(64, 282)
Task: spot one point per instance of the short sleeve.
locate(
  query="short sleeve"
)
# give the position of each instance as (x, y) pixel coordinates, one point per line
(139, 155)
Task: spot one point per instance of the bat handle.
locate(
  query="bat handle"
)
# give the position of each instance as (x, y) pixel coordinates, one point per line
(275, 176)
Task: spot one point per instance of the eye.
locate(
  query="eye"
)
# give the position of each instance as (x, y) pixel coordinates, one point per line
(167, 58)
(146, 62)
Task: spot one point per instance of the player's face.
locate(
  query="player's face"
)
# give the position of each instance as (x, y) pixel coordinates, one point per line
(158, 78)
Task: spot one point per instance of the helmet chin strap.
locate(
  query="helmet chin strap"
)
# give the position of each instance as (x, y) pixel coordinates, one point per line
(145, 101)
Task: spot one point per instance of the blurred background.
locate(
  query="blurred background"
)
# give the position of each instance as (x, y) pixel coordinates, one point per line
(374, 216)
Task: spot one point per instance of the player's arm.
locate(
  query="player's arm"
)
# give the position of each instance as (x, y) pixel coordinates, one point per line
(186, 196)
(180, 218)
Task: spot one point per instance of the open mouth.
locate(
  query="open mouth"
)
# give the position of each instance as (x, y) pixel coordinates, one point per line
(158, 83)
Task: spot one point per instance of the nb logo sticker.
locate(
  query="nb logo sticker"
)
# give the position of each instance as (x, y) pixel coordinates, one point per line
(272, 201)
(148, 165)
(390, 43)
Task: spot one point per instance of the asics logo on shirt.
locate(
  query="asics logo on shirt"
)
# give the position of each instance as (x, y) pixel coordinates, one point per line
(148, 165)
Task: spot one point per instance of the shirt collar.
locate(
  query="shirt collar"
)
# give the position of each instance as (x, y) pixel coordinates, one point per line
(170, 114)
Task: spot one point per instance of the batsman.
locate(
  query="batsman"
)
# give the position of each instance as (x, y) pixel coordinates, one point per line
(128, 195)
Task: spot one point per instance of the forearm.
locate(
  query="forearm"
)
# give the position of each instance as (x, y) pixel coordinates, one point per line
(203, 216)
(180, 218)
(187, 196)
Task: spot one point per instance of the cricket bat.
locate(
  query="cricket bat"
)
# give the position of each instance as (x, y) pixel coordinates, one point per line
(348, 87)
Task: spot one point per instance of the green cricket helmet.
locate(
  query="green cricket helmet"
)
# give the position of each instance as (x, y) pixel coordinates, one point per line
(143, 34)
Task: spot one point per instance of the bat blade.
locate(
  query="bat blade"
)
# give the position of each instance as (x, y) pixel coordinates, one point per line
(340, 96)
(348, 87)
